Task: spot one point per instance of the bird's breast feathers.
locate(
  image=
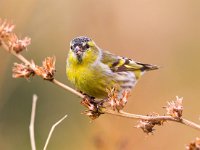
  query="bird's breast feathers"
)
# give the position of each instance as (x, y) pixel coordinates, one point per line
(91, 79)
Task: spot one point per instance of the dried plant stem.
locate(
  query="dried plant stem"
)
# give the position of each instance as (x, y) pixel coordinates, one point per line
(19, 56)
(32, 122)
(58, 83)
(190, 123)
(106, 111)
(51, 131)
(152, 118)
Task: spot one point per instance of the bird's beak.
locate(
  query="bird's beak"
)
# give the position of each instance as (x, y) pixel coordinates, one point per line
(78, 51)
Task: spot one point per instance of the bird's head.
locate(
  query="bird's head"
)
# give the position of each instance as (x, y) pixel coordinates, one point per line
(83, 50)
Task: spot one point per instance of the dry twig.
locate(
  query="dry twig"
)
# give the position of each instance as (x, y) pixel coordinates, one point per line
(10, 42)
(51, 131)
(32, 122)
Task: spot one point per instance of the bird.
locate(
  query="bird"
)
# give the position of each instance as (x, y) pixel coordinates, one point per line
(93, 71)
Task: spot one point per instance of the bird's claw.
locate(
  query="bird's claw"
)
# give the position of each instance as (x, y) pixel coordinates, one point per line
(94, 107)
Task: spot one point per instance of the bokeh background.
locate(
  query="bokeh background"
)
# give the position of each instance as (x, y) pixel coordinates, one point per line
(166, 33)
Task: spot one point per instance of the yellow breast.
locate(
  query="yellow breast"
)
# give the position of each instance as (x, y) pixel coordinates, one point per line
(88, 80)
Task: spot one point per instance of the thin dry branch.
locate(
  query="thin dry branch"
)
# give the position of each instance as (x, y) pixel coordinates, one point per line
(121, 113)
(32, 122)
(32, 66)
(153, 118)
(174, 110)
(51, 131)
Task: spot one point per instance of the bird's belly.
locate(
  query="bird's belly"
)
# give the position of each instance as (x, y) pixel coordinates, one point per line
(92, 82)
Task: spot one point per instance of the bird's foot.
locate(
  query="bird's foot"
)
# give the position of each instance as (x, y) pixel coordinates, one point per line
(94, 107)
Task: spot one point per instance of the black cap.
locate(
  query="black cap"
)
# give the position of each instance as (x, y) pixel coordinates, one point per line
(79, 40)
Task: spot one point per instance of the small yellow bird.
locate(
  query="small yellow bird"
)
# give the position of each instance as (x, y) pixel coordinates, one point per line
(93, 70)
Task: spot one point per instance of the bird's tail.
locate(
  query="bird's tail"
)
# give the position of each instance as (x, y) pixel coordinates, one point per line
(148, 67)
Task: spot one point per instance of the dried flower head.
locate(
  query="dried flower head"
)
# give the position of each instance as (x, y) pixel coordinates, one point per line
(148, 125)
(16, 44)
(47, 71)
(117, 101)
(22, 71)
(49, 65)
(10, 39)
(194, 145)
(5, 28)
(175, 108)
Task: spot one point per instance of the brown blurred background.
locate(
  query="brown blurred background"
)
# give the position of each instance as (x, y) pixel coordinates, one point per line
(165, 33)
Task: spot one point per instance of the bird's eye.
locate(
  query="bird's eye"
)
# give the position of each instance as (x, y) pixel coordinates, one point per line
(71, 47)
(87, 46)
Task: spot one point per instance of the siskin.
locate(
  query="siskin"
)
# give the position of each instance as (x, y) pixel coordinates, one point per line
(93, 70)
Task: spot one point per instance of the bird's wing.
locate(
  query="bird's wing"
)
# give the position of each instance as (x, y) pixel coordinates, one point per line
(121, 64)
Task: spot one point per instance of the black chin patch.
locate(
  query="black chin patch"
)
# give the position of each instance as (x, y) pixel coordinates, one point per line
(79, 57)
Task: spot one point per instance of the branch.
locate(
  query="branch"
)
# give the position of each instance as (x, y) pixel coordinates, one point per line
(32, 66)
(51, 131)
(153, 118)
(10, 42)
(32, 122)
